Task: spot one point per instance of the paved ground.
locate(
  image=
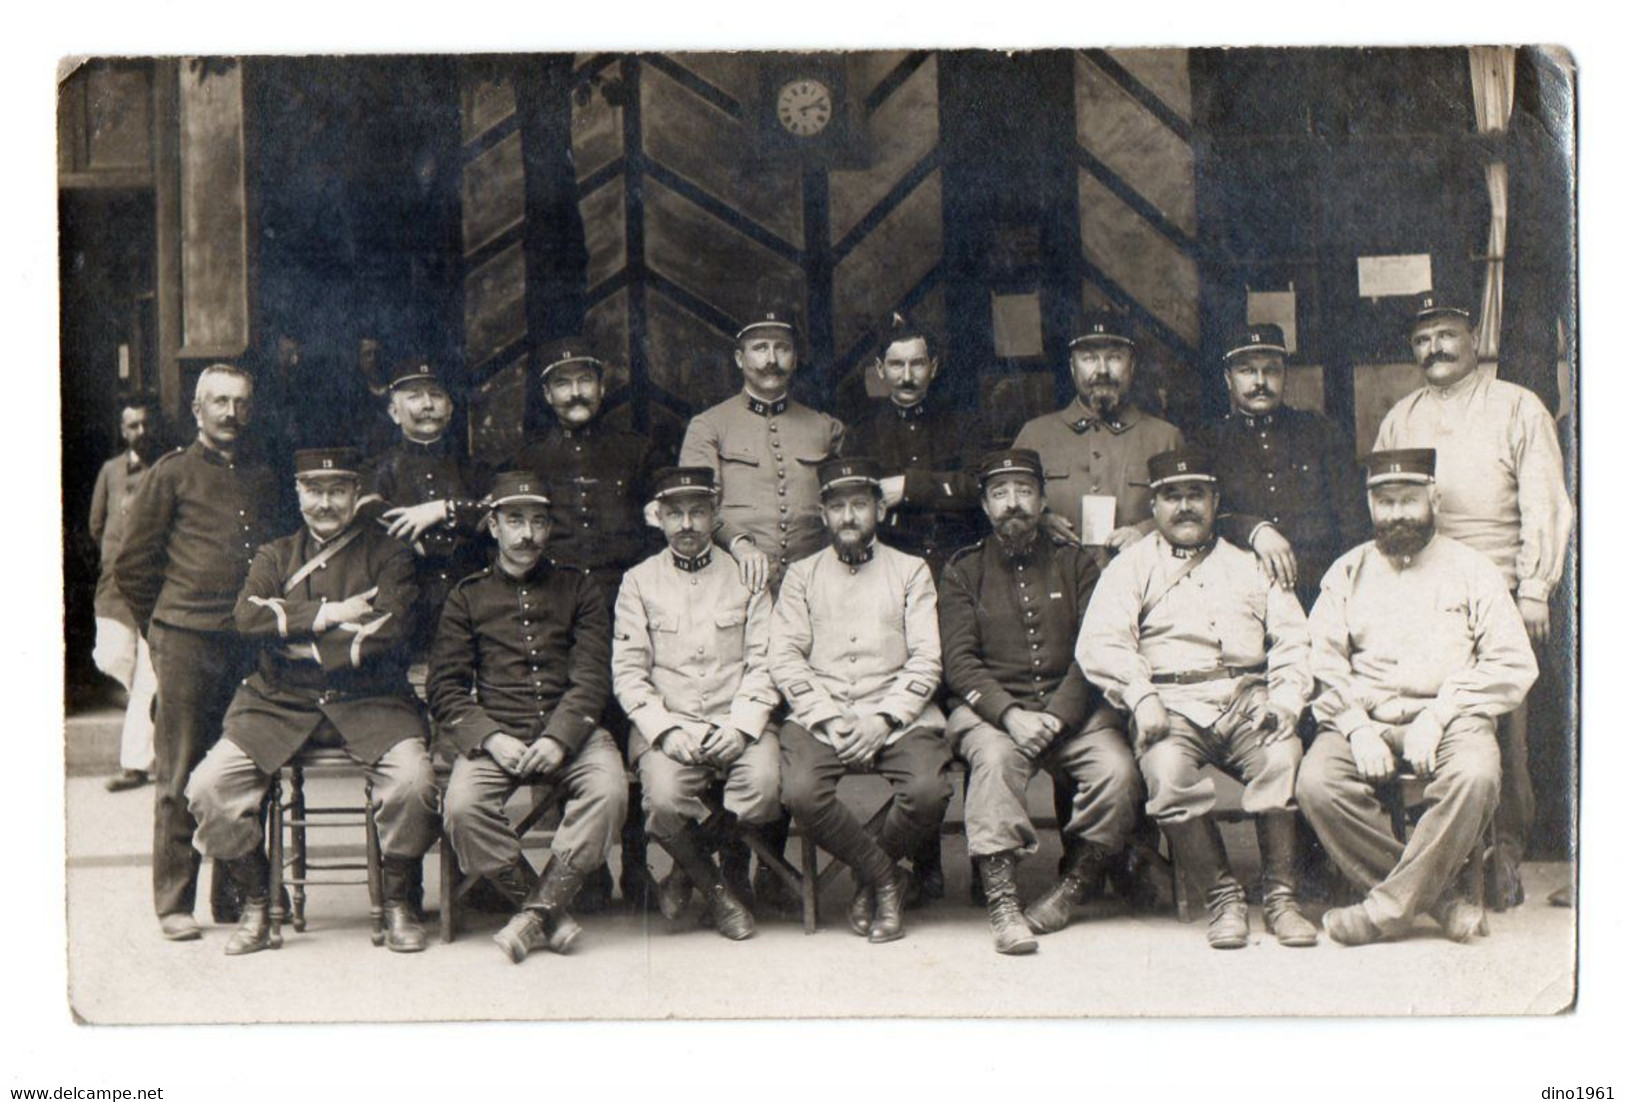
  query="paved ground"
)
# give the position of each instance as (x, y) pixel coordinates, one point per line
(1115, 963)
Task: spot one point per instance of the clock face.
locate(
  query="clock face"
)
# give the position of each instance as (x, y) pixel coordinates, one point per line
(805, 107)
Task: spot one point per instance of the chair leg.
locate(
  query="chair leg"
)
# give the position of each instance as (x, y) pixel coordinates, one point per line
(299, 856)
(809, 885)
(375, 869)
(449, 875)
(273, 841)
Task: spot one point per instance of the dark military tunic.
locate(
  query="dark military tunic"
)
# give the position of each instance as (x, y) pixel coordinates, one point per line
(1010, 625)
(598, 477)
(352, 676)
(409, 473)
(192, 531)
(527, 657)
(935, 449)
(1297, 470)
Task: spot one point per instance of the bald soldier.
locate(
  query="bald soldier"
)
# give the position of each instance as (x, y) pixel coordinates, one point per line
(690, 666)
(330, 609)
(1010, 608)
(1187, 633)
(1500, 491)
(1417, 650)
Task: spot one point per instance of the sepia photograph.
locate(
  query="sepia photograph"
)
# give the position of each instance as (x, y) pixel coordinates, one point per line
(907, 533)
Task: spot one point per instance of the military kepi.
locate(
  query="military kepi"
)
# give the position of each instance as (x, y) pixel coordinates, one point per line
(308, 462)
(770, 314)
(1401, 465)
(566, 350)
(1010, 461)
(1180, 465)
(415, 370)
(671, 481)
(834, 473)
(1430, 305)
(1101, 327)
(1263, 337)
(513, 487)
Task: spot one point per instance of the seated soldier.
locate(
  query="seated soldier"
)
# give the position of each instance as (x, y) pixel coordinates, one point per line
(1417, 649)
(1010, 610)
(518, 678)
(1186, 632)
(690, 666)
(856, 652)
(330, 608)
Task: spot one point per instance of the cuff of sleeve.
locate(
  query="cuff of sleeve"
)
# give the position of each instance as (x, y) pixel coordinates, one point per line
(815, 712)
(1252, 533)
(903, 705)
(1352, 721)
(1136, 692)
(917, 484)
(992, 705)
(468, 738)
(750, 716)
(1534, 589)
(653, 720)
(1291, 701)
(569, 730)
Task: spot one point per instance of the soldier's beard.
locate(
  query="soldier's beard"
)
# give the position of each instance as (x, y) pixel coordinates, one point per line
(1104, 398)
(1399, 538)
(1016, 530)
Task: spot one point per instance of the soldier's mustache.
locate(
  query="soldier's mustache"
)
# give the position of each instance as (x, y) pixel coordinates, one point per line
(1187, 518)
(1261, 392)
(1439, 358)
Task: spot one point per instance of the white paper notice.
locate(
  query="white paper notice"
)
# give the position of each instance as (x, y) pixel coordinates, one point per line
(1381, 276)
(1099, 519)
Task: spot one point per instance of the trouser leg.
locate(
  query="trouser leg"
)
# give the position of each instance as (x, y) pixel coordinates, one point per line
(996, 816)
(1269, 773)
(197, 673)
(673, 793)
(1176, 791)
(916, 766)
(809, 772)
(1107, 789)
(224, 795)
(1344, 811)
(405, 800)
(135, 742)
(751, 790)
(1461, 798)
(1516, 812)
(594, 804)
(480, 834)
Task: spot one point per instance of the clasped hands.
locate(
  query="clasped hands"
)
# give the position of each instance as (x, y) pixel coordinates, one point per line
(1374, 760)
(720, 746)
(540, 758)
(857, 741)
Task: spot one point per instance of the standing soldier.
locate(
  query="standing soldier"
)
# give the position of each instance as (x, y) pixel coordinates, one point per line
(429, 490)
(690, 664)
(927, 452)
(1010, 608)
(1290, 467)
(856, 652)
(1417, 649)
(518, 680)
(599, 478)
(1186, 632)
(193, 528)
(765, 448)
(330, 608)
(121, 652)
(1500, 492)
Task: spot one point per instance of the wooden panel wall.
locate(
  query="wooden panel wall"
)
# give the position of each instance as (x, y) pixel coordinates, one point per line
(214, 211)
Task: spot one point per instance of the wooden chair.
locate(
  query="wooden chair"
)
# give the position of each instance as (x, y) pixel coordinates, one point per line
(454, 884)
(292, 866)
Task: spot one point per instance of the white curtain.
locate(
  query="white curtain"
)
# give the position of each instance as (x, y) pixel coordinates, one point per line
(1491, 68)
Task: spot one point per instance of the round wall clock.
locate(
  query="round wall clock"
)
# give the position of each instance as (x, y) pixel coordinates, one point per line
(805, 106)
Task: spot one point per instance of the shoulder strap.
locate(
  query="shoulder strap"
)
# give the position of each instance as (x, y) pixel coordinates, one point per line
(1153, 597)
(316, 561)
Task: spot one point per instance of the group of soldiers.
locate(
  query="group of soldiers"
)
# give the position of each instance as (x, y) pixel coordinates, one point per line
(1133, 611)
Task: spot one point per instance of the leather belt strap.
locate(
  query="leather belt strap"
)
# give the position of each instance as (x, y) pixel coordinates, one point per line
(318, 560)
(1196, 677)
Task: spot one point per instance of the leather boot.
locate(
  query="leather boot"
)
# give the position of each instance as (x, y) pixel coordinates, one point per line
(250, 875)
(597, 889)
(403, 922)
(860, 913)
(728, 914)
(734, 857)
(1199, 851)
(1458, 918)
(887, 924)
(637, 886)
(674, 894)
(225, 895)
(1010, 932)
(1277, 848)
(552, 897)
(928, 878)
(1053, 910)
